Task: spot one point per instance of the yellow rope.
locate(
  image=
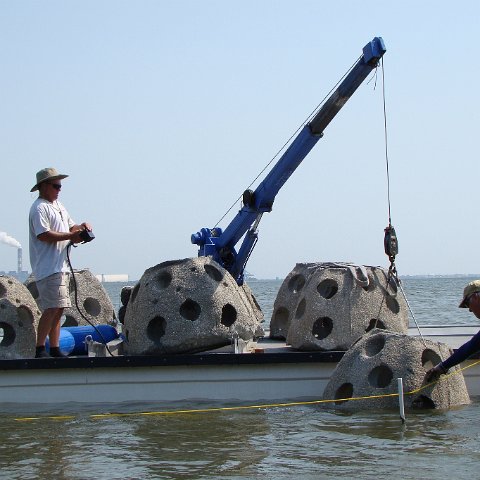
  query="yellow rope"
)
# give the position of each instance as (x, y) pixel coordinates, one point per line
(247, 407)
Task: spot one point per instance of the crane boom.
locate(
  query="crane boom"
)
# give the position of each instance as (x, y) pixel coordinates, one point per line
(221, 244)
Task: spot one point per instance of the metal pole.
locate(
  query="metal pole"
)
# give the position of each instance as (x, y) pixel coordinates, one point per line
(400, 399)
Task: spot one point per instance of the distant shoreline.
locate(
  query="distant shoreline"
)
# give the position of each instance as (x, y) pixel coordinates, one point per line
(279, 279)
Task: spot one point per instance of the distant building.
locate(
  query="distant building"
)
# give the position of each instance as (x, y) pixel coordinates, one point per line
(112, 277)
(249, 277)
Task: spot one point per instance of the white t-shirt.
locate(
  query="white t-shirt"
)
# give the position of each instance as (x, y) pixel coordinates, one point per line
(48, 258)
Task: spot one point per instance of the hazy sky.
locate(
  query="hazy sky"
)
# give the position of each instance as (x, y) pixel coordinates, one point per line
(162, 113)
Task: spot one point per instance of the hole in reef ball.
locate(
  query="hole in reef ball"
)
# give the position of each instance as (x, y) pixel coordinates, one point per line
(24, 315)
(430, 358)
(229, 315)
(70, 321)
(371, 284)
(280, 318)
(92, 306)
(392, 304)
(301, 308)
(3, 291)
(125, 294)
(7, 334)
(32, 288)
(380, 377)
(156, 329)
(164, 278)
(344, 391)
(322, 328)
(190, 309)
(374, 345)
(327, 288)
(296, 283)
(375, 323)
(422, 402)
(213, 273)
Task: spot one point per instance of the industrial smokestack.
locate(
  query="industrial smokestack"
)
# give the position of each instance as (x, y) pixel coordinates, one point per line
(19, 260)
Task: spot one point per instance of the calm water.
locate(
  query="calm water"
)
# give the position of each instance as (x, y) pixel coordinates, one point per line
(275, 443)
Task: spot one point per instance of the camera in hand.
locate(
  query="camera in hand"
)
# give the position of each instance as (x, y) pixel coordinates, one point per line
(86, 236)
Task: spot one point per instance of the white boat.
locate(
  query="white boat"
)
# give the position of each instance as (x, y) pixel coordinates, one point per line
(274, 373)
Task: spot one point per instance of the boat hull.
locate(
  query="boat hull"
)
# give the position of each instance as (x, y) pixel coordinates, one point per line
(276, 375)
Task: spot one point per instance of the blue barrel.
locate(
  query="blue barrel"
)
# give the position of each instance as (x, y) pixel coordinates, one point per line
(108, 333)
(67, 342)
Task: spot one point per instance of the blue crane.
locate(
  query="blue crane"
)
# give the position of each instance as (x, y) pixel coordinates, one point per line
(220, 244)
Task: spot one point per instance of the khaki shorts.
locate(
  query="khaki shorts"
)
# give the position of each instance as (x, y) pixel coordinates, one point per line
(53, 291)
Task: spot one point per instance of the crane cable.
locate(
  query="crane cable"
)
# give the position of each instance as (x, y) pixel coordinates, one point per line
(390, 239)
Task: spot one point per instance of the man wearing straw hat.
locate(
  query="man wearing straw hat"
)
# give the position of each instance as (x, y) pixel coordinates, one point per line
(471, 300)
(51, 232)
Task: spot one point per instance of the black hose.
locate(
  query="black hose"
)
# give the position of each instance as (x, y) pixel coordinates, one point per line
(76, 300)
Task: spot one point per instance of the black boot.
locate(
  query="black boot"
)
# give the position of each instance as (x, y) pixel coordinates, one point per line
(41, 352)
(55, 352)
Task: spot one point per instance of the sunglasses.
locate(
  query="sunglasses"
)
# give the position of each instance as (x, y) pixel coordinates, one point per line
(467, 300)
(56, 186)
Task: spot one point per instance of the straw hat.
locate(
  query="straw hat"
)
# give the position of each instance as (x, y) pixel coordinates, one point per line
(47, 174)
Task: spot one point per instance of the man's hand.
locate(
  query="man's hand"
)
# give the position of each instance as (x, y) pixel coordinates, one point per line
(75, 236)
(434, 373)
(86, 226)
(76, 230)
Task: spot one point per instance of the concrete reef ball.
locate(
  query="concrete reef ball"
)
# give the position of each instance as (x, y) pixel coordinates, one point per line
(186, 306)
(328, 306)
(19, 316)
(287, 298)
(371, 368)
(93, 301)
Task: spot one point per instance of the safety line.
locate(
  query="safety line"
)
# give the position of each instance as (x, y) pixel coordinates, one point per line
(245, 407)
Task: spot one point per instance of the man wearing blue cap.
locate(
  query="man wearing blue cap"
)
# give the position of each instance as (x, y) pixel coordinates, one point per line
(471, 300)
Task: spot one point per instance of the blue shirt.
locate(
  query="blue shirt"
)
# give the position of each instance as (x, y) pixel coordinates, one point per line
(462, 353)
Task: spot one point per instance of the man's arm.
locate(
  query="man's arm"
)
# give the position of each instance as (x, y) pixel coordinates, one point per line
(461, 354)
(54, 237)
(73, 235)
